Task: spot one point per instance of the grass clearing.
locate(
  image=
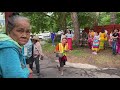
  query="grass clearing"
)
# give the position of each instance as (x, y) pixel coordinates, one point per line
(84, 55)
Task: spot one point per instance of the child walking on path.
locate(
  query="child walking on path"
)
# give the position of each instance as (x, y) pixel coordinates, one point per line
(61, 49)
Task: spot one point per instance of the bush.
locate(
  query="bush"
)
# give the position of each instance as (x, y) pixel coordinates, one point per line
(49, 41)
(58, 38)
(74, 45)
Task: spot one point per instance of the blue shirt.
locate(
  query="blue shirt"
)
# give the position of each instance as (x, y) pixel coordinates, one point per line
(52, 36)
(12, 62)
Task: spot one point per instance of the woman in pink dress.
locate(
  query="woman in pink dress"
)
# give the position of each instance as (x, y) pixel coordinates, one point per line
(118, 43)
(90, 38)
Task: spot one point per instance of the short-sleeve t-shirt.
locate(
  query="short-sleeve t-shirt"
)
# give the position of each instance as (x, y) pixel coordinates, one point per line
(115, 35)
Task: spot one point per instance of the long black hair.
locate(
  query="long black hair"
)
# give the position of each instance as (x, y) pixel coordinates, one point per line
(103, 30)
(70, 31)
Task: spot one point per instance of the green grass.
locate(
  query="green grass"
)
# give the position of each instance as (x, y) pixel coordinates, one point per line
(78, 53)
(84, 55)
(103, 59)
(48, 47)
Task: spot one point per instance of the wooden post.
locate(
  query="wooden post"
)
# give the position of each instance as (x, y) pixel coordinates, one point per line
(7, 14)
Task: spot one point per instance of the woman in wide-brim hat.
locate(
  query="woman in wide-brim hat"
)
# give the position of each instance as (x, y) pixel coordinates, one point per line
(37, 53)
(36, 38)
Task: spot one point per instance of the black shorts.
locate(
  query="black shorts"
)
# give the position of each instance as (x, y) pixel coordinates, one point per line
(62, 63)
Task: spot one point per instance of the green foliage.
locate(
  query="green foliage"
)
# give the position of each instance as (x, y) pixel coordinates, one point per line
(86, 19)
(47, 21)
(104, 18)
(118, 18)
(40, 21)
(54, 21)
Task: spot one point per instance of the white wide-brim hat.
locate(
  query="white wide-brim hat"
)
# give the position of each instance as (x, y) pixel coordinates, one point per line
(36, 38)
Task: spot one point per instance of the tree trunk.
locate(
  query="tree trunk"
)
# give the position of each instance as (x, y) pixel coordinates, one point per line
(64, 24)
(113, 17)
(7, 14)
(96, 19)
(74, 18)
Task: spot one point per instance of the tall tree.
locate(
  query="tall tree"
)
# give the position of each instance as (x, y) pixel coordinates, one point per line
(74, 18)
(86, 19)
(117, 17)
(61, 19)
(104, 18)
(96, 18)
(63, 22)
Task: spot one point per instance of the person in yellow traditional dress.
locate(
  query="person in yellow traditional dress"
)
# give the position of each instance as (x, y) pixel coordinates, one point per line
(102, 39)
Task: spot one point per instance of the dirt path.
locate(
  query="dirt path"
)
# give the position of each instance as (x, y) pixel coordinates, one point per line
(49, 70)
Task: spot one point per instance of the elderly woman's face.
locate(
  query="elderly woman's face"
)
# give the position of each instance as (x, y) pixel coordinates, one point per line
(21, 32)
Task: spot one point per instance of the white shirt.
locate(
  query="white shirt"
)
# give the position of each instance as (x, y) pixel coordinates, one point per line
(69, 35)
